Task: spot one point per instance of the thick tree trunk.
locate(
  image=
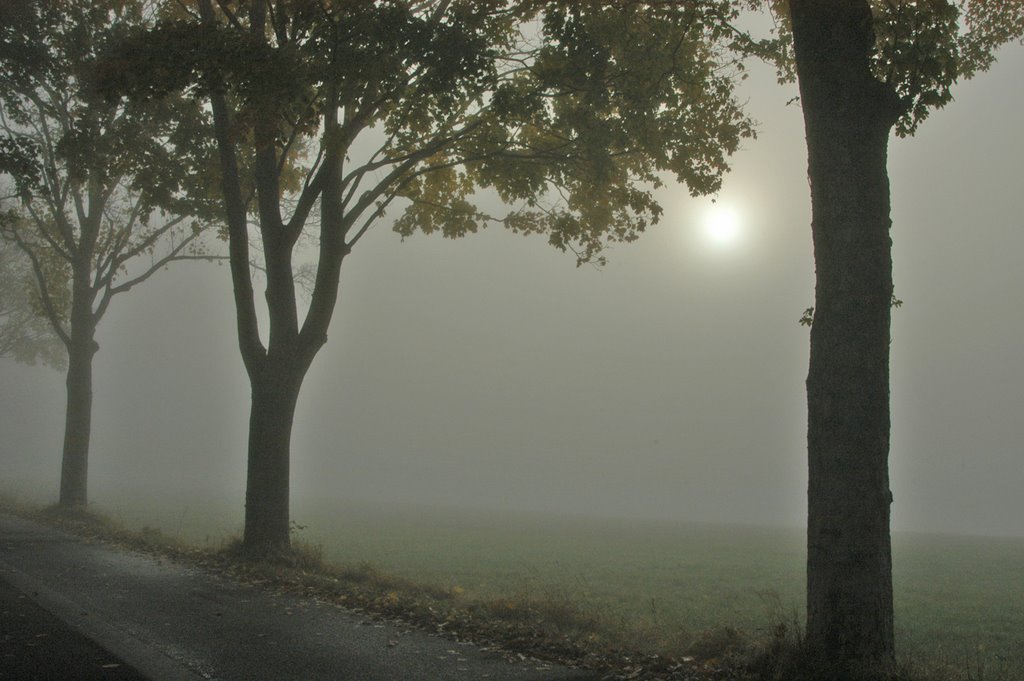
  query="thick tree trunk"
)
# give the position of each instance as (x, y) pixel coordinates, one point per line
(848, 117)
(275, 392)
(78, 422)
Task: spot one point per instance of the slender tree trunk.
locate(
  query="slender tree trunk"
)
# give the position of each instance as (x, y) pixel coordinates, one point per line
(848, 116)
(78, 415)
(275, 392)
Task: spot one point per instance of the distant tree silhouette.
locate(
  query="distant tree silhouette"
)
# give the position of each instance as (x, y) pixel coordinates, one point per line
(97, 197)
(25, 333)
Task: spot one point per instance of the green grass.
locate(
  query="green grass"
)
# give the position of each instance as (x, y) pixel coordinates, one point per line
(959, 600)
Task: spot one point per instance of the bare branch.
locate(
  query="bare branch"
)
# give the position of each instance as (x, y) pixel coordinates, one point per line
(110, 291)
(229, 15)
(49, 306)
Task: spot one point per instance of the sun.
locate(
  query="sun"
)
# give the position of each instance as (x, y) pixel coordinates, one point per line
(722, 226)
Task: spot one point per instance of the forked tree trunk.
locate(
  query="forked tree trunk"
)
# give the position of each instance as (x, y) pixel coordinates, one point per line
(276, 372)
(848, 116)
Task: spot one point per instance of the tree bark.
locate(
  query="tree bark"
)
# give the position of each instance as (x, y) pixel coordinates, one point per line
(848, 116)
(81, 348)
(275, 392)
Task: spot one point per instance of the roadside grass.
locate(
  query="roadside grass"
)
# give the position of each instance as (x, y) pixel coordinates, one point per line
(634, 600)
(555, 631)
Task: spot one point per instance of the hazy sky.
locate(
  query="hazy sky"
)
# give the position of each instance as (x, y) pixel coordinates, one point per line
(491, 372)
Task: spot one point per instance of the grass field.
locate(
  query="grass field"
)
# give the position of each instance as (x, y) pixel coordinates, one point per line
(959, 600)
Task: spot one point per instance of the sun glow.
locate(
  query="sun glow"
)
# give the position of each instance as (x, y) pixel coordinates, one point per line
(722, 226)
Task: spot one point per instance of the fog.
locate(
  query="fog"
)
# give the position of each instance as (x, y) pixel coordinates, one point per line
(491, 372)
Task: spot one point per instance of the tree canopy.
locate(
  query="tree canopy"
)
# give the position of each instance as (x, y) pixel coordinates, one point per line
(921, 48)
(538, 101)
(93, 181)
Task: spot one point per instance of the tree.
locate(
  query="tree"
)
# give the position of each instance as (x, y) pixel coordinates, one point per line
(567, 111)
(848, 115)
(864, 69)
(98, 188)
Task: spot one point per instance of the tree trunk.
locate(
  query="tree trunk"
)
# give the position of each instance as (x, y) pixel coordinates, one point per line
(78, 424)
(848, 116)
(81, 347)
(275, 392)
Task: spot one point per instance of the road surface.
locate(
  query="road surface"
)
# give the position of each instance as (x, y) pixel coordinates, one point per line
(100, 612)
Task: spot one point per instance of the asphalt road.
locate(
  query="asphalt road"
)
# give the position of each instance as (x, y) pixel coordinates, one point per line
(36, 645)
(79, 610)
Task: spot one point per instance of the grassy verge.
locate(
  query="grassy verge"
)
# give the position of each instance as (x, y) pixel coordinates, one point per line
(546, 627)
